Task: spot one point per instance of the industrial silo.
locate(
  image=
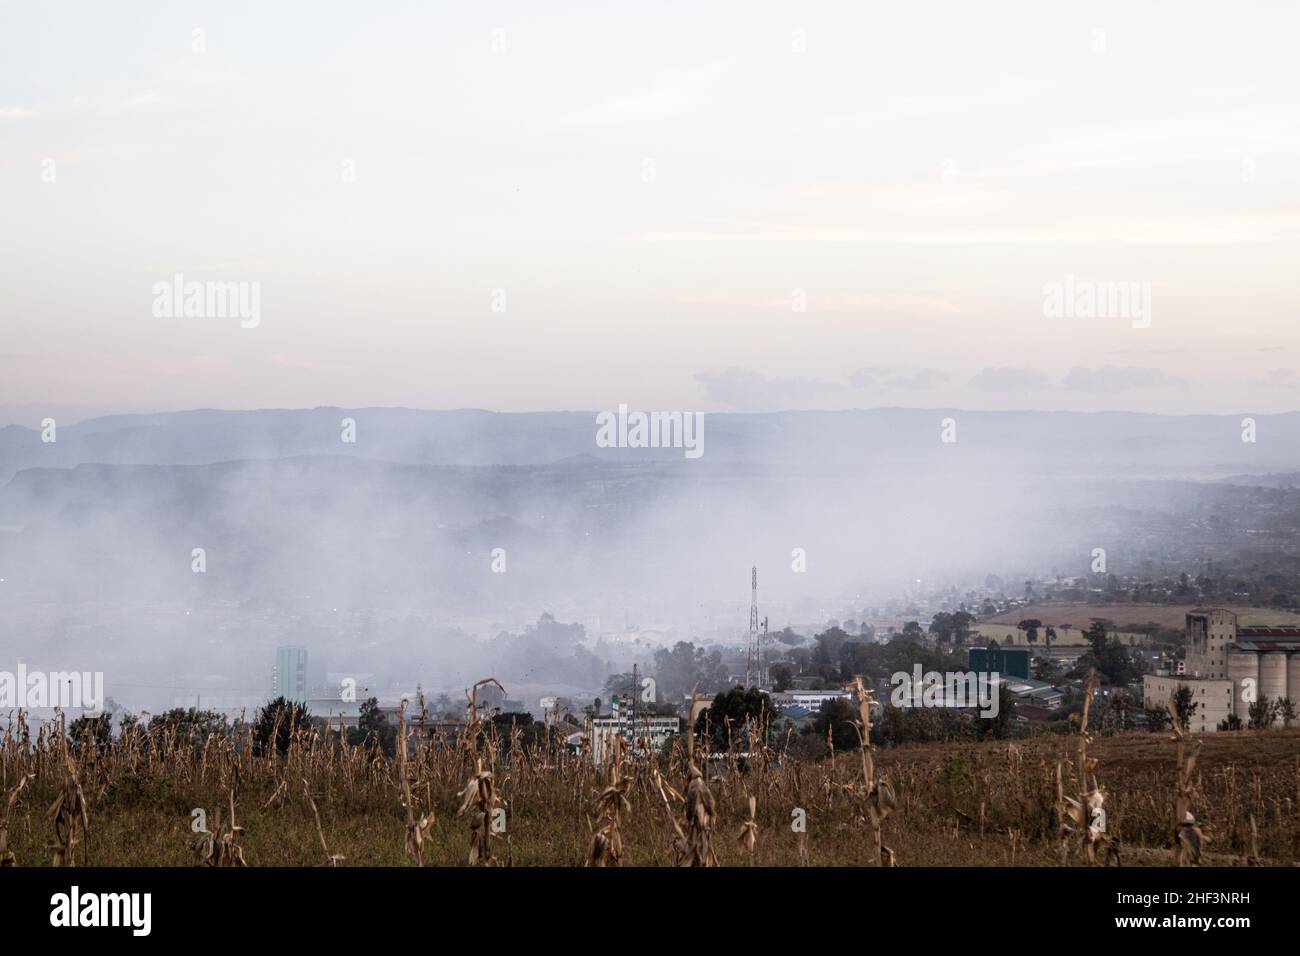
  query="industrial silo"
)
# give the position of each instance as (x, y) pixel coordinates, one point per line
(1243, 667)
(1272, 675)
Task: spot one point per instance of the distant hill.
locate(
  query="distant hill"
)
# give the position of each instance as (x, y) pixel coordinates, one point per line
(1169, 616)
(1054, 443)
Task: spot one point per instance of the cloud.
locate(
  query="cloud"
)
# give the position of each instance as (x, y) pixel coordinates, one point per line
(1008, 379)
(671, 94)
(745, 388)
(1282, 378)
(121, 104)
(16, 113)
(1114, 379)
(886, 377)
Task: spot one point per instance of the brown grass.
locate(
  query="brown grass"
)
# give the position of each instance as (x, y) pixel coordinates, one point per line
(949, 804)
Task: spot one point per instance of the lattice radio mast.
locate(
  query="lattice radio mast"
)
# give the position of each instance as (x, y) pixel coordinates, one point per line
(755, 665)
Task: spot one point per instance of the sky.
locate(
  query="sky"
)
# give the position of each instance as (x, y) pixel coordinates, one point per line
(712, 207)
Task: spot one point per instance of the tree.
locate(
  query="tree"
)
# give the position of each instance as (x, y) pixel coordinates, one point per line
(677, 670)
(1231, 722)
(789, 637)
(1157, 718)
(998, 726)
(1046, 669)
(192, 726)
(1286, 709)
(912, 630)
(96, 732)
(1262, 713)
(1121, 712)
(275, 724)
(1096, 636)
(1109, 657)
(621, 685)
(1185, 706)
(941, 627)
(733, 715)
(373, 728)
(837, 716)
(1030, 626)
(532, 733)
(781, 677)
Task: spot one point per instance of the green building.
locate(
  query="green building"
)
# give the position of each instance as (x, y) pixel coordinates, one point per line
(1007, 661)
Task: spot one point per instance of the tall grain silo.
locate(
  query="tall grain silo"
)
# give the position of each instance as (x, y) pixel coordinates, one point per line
(1293, 677)
(1243, 666)
(1272, 675)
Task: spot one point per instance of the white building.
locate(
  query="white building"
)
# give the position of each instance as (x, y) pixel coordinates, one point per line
(813, 699)
(644, 735)
(289, 678)
(1227, 666)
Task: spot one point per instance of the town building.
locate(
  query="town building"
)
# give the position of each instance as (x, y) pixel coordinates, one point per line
(810, 699)
(644, 734)
(1007, 661)
(289, 677)
(1228, 665)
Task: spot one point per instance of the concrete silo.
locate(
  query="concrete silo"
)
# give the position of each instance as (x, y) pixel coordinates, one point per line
(1243, 666)
(1272, 675)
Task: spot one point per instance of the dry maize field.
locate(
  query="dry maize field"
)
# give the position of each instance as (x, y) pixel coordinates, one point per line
(1134, 799)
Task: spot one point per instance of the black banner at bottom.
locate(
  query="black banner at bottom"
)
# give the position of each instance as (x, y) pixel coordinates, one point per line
(374, 905)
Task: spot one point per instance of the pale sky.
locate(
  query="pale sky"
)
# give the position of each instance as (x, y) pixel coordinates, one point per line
(656, 188)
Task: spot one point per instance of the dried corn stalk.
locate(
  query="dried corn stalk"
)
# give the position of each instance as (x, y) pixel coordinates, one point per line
(1188, 837)
(479, 801)
(878, 798)
(1082, 818)
(219, 849)
(607, 842)
(6, 855)
(416, 827)
(749, 831)
(701, 808)
(68, 814)
(331, 859)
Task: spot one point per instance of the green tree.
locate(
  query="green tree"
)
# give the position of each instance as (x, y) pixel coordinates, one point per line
(941, 627)
(275, 724)
(736, 714)
(373, 728)
(677, 669)
(1046, 669)
(997, 727)
(1030, 626)
(1262, 713)
(1231, 722)
(92, 732)
(1185, 705)
(1286, 709)
(187, 725)
(781, 677)
(838, 716)
(1157, 719)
